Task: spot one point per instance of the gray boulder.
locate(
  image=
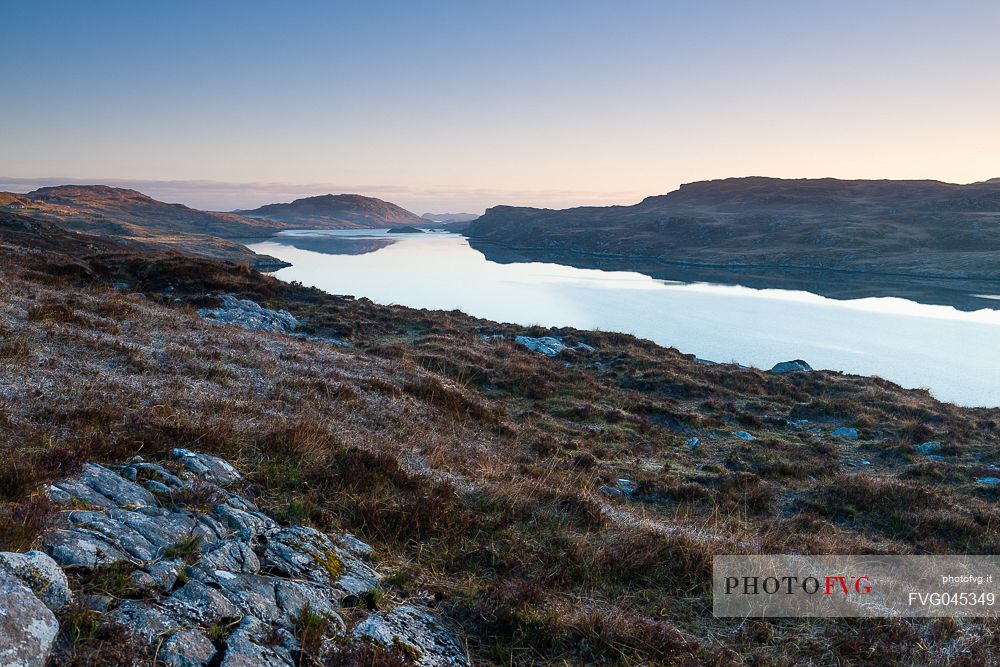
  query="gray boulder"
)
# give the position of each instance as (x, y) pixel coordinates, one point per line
(423, 637)
(794, 366)
(846, 433)
(250, 315)
(547, 345)
(550, 346)
(41, 574)
(27, 627)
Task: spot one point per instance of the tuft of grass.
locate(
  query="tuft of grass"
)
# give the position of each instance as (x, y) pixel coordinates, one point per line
(21, 523)
(186, 549)
(310, 628)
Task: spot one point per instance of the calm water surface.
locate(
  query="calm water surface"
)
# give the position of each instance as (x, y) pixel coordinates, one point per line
(955, 354)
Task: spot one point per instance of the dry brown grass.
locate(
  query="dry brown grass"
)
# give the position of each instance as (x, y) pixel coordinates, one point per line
(473, 466)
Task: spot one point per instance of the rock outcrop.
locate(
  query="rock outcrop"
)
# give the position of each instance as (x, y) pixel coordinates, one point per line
(211, 578)
(793, 366)
(550, 346)
(250, 315)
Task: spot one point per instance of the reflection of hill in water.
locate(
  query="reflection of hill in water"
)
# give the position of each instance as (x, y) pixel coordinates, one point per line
(334, 245)
(963, 294)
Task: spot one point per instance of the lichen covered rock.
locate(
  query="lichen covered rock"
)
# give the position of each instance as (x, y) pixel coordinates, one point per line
(27, 627)
(416, 633)
(41, 574)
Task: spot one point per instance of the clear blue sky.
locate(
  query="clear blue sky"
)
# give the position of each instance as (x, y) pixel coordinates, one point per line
(461, 105)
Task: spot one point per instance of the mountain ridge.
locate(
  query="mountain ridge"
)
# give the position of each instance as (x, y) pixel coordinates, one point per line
(917, 229)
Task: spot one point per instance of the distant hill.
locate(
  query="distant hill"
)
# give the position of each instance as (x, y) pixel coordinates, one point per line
(102, 208)
(450, 217)
(140, 220)
(336, 212)
(750, 226)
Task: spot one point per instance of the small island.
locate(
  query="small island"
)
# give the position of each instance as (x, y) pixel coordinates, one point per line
(405, 230)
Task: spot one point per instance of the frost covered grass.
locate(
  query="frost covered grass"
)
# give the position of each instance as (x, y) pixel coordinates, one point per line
(481, 471)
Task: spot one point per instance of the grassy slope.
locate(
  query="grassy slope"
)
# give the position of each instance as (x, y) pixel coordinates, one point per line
(472, 464)
(143, 221)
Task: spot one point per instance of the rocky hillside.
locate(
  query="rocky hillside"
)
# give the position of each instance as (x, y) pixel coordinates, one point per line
(540, 496)
(142, 221)
(336, 212)
(818, 231)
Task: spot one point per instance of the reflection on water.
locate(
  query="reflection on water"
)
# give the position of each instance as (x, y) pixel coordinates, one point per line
(951, 352)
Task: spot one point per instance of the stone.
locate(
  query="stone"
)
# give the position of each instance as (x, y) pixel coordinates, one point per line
(200, 604)
(294, 597)
(422, 637)
(927, 447)
(27, 627)
(145, 621)
(550, 346)
(103, 525)
(242, 568)
(354, 545)
(165, 573)
(547, 345)
(75, 549)
(144, 581)
(156, 487)
(305, 553)
(247, 646)
(846, 432)
(41, 574)
(988, 481)
(743, 435)
(252, 594)
(234, 556)
(692, 443)
(794, 366)
(250, 315)
(73, 491)
(211, 468)
(119, 490)
(162, 528)
(156, 472)
(187, 648)
(238, 520)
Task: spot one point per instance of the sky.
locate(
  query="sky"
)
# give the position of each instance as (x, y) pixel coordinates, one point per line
(457, 106)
